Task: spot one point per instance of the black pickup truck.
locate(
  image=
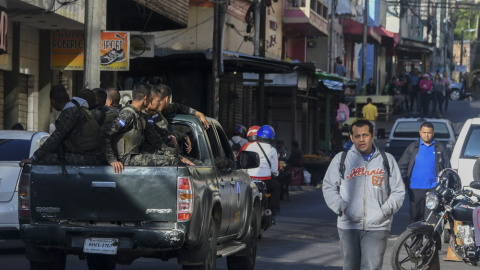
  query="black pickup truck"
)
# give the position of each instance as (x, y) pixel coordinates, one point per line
(196, 214)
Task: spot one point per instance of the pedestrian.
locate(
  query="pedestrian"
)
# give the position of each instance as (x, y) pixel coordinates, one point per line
(425, 90)
(269, 164)
(438, 93)
(414, 89)
(296, 156)
(419, 166)
(363, 186)
(238, 139)
(75, 139)
(398, 98)
(370, 88)
(370, 113)
(446, 82)
(340, 68)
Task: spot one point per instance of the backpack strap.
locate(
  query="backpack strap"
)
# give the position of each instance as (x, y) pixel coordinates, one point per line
(269, 164)
(341, 169)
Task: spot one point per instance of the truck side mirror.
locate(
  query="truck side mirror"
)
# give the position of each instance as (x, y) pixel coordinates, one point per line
(475, 185)
(248, 160)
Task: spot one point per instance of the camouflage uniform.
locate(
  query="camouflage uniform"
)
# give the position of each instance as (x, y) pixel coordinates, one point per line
(130, 120)
(104, 114)
(116, 109)
(70, 123)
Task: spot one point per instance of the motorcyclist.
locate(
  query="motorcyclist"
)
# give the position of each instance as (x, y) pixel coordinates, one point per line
(251, 137)
(238, 140)
(269, 164)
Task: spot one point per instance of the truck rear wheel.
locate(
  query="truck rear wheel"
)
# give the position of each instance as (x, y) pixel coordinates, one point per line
(100, 262)
(210, 262)
(246, 259)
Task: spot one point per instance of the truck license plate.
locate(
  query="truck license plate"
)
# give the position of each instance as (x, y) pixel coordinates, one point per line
(101, 246)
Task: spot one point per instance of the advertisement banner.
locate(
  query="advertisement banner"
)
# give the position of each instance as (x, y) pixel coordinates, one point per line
(142, 45)
(68, 47)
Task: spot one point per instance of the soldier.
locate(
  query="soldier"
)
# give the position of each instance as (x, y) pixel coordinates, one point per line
(102, 113)
(122, 138)
(88, 95)
(113, 99)
(75, 139)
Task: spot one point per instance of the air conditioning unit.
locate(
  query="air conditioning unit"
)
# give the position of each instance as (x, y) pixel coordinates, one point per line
(125, 96)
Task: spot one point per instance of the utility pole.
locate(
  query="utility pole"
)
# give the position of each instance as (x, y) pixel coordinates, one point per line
(256, 41)
(261, 75)
(92, 43)
(364, 45)
(217, 54)
(461, 57)
(330, 57)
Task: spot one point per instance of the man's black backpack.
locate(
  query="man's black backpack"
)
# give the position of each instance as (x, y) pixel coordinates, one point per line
(236, 147)
(344, 156)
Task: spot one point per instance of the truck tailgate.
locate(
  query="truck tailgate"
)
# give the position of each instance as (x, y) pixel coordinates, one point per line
(92, 193)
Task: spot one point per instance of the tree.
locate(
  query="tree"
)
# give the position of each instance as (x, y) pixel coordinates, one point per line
(466, 19)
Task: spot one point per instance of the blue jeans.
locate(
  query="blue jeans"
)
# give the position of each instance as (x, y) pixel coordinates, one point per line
(362, 250)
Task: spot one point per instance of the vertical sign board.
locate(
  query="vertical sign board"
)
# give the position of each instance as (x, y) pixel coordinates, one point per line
(68, 51)
(3, 32)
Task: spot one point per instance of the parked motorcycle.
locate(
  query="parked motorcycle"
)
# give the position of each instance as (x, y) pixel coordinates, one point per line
(458, 92)
(417, 247)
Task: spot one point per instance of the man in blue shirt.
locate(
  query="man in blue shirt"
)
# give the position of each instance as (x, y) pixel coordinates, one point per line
(419, 166)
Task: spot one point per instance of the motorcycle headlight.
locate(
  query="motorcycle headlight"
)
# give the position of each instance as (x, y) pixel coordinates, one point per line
(431, 201)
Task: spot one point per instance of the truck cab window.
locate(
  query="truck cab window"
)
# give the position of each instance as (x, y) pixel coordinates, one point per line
(227, 152)
(187, 130)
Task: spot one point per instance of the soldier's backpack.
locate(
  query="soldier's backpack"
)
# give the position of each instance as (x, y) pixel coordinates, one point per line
(87, 139)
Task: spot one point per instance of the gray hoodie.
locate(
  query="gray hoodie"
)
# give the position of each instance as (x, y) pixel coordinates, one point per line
(363, 200)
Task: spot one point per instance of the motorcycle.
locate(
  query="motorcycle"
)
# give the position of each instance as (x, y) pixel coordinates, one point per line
(418, 246)
(267, 219)
(458, 92)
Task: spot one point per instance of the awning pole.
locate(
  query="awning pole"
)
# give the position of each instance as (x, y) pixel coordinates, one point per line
(330, 39)
(364, 45)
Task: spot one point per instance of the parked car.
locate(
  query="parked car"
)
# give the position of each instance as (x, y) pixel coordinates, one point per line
(193, 213)
(14, 146)
(458, 92)
(406, 130)
(466, 153)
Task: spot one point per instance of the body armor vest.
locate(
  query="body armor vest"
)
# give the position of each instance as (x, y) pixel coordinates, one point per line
(131, 141)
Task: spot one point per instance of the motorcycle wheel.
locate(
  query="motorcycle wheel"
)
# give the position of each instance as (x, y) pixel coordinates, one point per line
(406, 251)
(455, 95)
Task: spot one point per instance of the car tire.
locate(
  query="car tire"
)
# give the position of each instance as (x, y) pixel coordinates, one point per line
(476, 170)
(455, 94)
(210, 262)
(101, 262)
(246, 259)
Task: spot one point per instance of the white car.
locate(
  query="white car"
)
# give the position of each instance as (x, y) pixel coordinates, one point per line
(467, 150)
(14, 146)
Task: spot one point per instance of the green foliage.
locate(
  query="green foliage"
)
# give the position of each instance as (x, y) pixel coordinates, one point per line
(466, 19)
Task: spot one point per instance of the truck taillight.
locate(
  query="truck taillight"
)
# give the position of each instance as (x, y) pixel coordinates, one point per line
(24, 196)
(184, 199)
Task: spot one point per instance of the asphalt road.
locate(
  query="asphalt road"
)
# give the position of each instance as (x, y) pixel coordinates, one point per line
(304, 238)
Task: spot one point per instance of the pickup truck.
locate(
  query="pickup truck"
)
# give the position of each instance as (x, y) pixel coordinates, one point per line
(195, 214)
(15, 145)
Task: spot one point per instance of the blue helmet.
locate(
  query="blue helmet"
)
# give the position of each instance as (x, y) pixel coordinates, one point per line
(266, 134)
(240, 130)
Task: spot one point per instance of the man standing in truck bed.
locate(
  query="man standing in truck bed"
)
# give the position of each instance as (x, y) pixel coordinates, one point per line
(75, 139)
(121, 140)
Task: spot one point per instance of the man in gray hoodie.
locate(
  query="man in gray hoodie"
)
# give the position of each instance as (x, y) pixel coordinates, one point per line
(364, 192)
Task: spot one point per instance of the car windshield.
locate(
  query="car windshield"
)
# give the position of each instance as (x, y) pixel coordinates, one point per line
(409, 129)
(14, 150)
(472, 143)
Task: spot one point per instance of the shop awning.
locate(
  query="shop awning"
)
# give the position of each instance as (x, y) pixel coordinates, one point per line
(389, 39)
(330, 81)
(413, 49)
(353, 30)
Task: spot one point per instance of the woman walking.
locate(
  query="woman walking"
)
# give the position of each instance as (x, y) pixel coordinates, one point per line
(446, 82)
(425, 92)
(438, 93)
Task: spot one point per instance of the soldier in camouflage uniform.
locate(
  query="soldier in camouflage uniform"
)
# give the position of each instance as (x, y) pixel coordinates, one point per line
(123, 138)
(113, 100)
(75, 139)
(103, 114)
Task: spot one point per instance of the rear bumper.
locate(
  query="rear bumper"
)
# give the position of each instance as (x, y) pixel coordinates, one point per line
(131, 240)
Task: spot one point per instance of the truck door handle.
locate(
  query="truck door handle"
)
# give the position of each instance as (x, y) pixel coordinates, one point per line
(222, 183)
(232, 182)
(104, 186)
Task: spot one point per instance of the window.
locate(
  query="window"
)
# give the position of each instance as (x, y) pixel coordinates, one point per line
(325, 12)
(411, 129)
(319, 8)
(312, 4)
(195, 153)
(14, 150)
(225, 145)
(472, 143)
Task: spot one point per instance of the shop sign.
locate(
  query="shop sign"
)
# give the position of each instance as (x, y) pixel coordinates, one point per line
(142, 45)
(67, 50)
